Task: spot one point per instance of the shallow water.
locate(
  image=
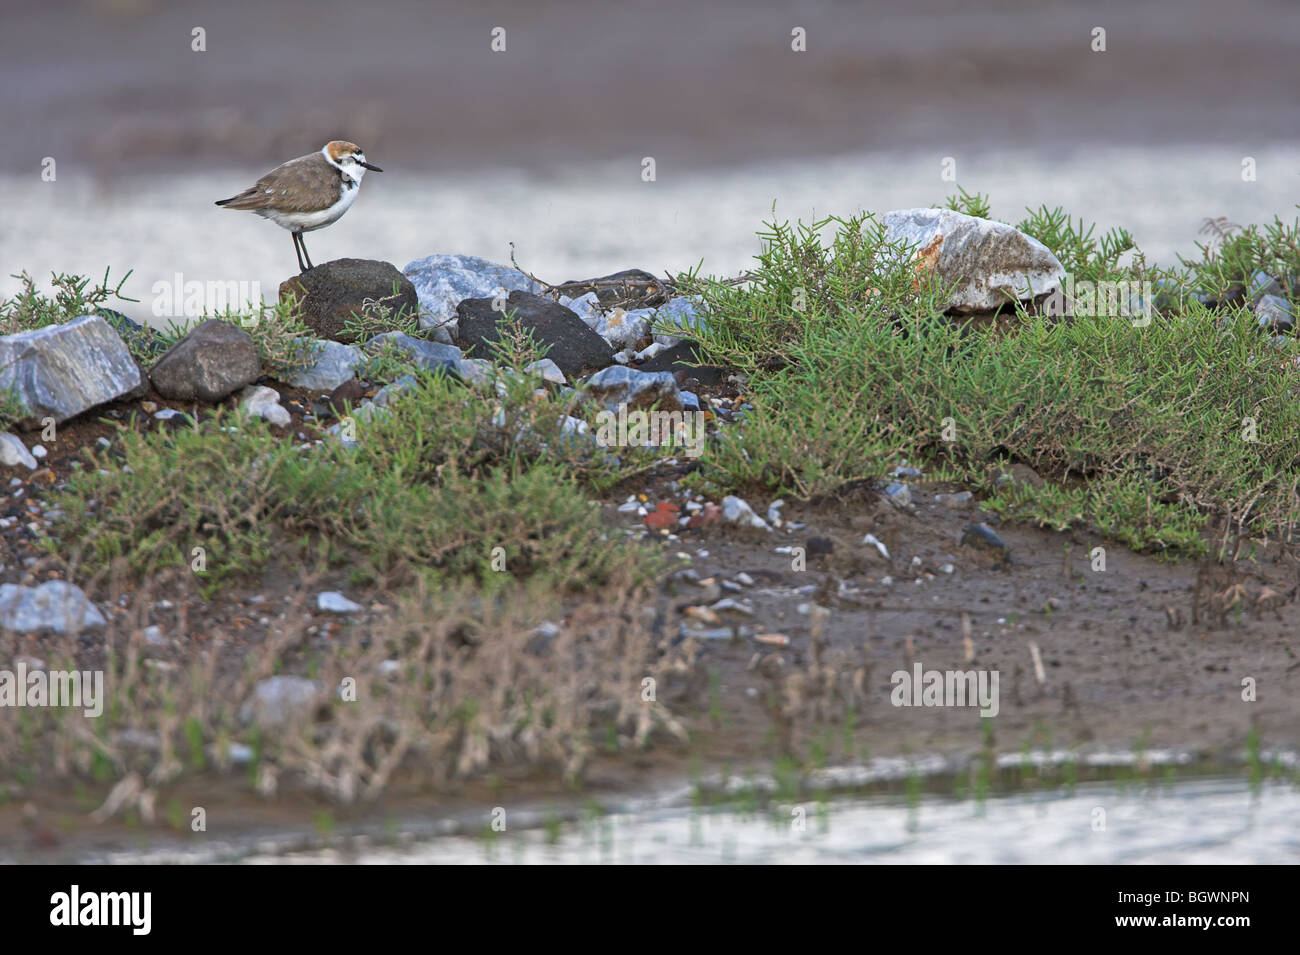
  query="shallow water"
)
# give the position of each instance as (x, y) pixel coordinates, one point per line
(1205, 821)
(584, 220)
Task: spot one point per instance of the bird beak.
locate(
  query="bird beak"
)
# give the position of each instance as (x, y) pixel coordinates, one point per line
(369, 166)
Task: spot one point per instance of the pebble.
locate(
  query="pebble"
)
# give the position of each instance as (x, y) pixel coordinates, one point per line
(331, 601)
(898, 494)
(736, 510)
(953, 500)
(872, 540)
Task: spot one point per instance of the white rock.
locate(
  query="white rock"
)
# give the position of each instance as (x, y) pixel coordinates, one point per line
(263, 402)
(55, 605)
(876, 543)
(279, 699)
(736, 510)
(988, 263)
(444, 281)
(13, 452)
(331, 601)
(335, 363)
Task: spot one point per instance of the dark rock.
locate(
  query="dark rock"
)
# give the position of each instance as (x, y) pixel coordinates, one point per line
(1261, 285)
(820, 546)
(982, 537)
(349, 393)
(574, 347)
(631, 288)
(331, 294)
(214, 360)
(687, 360)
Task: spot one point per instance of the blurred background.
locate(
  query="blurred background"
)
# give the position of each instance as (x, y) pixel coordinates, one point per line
(543, 144)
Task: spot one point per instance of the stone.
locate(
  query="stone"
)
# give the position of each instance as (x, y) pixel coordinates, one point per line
(586, 307)
(1262, 284)
(898, 494)
(623, 329)
(13, 452)
(331, 601)
(429, 356)
(213, 361)
(60, 371)
(619, 386)
(1274, 314)
(574, 347)
(687, 359)
(331, 295)
(55, 605)
(635, 287)
(988, 264)
(548, 370)
(263, 402)
(679, 313)
(736, 510)
(334, 364)
(442, 282)
(983, 537)
(278, 700)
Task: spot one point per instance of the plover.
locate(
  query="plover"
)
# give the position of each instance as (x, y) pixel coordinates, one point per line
(307, 193)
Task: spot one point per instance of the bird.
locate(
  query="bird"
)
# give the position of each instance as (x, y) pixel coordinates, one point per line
(307, 193)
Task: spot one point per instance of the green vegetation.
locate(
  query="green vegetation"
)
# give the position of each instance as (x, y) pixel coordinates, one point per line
(1144, 432)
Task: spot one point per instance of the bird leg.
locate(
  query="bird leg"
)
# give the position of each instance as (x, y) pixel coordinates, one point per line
(297, 237)
(303, 243)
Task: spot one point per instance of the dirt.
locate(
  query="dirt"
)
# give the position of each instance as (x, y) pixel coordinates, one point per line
(1143, 654)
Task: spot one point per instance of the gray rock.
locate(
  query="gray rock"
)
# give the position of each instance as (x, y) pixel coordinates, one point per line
(334, 364)
(330, 295)
(983, 537)
(55, 605)
(736, 510)
(988, 264)
(1262, 284)
(442, 282)
(279, 700)
(62, 370)
(214, 360)
(1274, 314)
(678, 313)
(549, 371)
(430, 356)
(586, 307)
(263, 402)
(331, 601)
(623, 329)
(387, 394)
(635, 287)
(637, 390)
(898, 494)
(13, 452)
(574, 347)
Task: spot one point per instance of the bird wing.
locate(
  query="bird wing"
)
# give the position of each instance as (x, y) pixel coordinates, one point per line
(300, 185)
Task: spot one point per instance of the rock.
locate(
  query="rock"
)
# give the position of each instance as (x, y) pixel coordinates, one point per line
(623, 329)
(960, 499)
(331, 601)
(679, 313)
(55, 605)
(820, 547)
(442, 282)
(574, 347)
(736, 510)
(330, 295)
(263, 402)
(586, 307)
(687, 359)
(988, 264)
(279, 700)
(13, 452)
(335, 364)
(1261, 285)
(898, 494)
(983, 537)
(635, 287)
(429, 356)
(1274, 314)
(387, 394)
(1017, 473)
(214, 360)
(548, 370)
(873, 541)
(349, 393)
(62, 370)
(619, 386)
